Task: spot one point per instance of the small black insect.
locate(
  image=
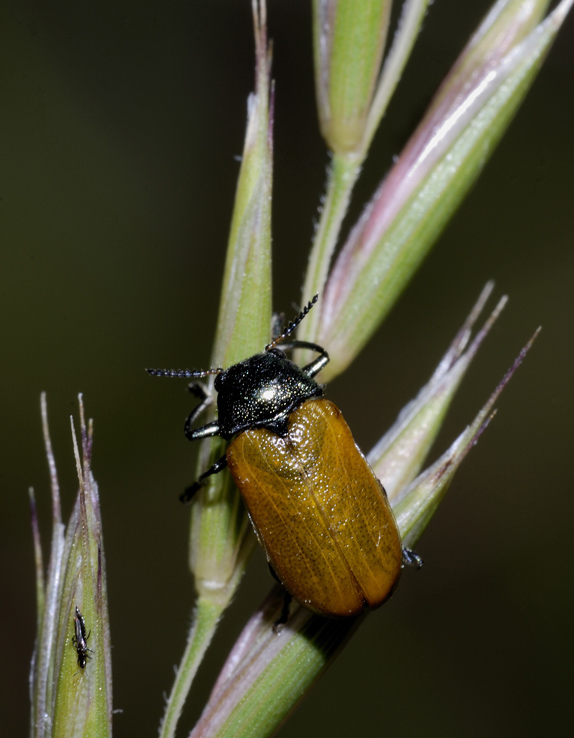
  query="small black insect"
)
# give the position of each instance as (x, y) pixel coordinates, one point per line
(80, 640)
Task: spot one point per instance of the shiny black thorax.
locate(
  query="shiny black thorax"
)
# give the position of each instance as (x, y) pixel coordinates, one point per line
(261, 392)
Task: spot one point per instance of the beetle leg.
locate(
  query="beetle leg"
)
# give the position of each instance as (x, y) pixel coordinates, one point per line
(317, 364)
(410, 558)
(188, 493)
(209, 429)
(199, 390)
(284, 615)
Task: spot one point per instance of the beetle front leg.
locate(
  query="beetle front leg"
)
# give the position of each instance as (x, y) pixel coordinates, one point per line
(188, 493)
(199, 390)
(209, 429)
(317, 364)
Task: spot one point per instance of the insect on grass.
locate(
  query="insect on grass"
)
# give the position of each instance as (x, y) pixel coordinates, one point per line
(80, 639)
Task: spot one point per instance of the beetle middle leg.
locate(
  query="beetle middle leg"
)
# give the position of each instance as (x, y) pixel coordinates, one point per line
(189, 492)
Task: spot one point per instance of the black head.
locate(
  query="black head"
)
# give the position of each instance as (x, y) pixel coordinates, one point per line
(261, 392)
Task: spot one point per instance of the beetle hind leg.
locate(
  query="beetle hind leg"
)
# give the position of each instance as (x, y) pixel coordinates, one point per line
(412, 559)
(284, 614)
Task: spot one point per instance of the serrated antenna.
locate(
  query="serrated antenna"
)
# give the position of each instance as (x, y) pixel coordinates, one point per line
(293, 324)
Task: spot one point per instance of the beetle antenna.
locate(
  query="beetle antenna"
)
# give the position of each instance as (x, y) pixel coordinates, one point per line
(184, 373)
(292, 325)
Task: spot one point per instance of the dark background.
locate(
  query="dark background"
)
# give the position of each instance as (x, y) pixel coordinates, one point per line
(120, 127)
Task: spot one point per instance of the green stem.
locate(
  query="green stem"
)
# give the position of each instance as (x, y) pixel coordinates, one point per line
(342, 176)
(202, 629)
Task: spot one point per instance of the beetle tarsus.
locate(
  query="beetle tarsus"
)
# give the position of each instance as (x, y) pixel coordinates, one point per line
(189, 492)
(284, 616)
(412, 559)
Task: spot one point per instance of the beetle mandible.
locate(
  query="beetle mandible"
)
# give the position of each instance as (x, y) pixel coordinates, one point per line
(318, 510)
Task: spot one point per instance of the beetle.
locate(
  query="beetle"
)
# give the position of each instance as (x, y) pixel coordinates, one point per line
(80, 639)
(317, 508)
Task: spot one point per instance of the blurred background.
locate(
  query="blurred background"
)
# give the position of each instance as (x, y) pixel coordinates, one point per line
(120, 130)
